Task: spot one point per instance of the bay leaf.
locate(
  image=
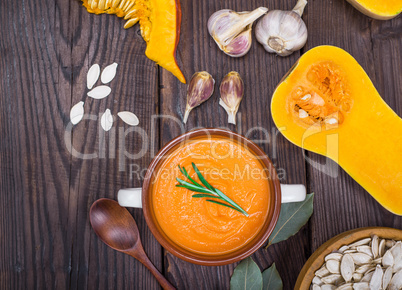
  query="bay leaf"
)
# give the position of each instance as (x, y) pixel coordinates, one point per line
(246, 275)
(271, 279)
(292, 217)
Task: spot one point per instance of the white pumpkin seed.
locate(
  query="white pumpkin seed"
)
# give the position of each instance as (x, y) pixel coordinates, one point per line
(347, 267)
(361, 259)
(361, 286)
(350, 251)
(364, 268)
(367, 276)
(376, 280)
(317, 281)
(374, 246)
(347, 286)
(77, 113)
(386, 278)
(390, 243)
(381, 248)
(93, 75)
(365, 250)
(129, 118)
(328, 287)
(333, 266)
(357, 277)
(100, 92)
(343, 249)
(333, 256)
(109, 73)
(396, 281)
(316, 287)
(332, 279)
(377, 261)
(302, 114)
(107, 120)
(388, 259)
(362, 242)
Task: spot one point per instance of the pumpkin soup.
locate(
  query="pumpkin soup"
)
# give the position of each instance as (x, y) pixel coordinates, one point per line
(205, 227)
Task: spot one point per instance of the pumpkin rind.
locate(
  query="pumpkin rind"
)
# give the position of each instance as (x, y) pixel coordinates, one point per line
(159, 22)
(367, 143)
(382, 10)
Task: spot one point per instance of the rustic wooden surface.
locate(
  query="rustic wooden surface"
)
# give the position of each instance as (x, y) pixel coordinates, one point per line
(46, 49)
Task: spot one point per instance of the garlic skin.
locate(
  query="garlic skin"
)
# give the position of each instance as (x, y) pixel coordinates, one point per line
(232, 31)
(200, 89)
(283, 32)
(232, 91)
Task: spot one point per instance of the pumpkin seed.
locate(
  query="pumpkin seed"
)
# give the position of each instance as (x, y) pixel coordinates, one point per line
(109, 73)
(328, 287)
(365, 250)
(361, 286)
(396, 281)
(376, 279)
(364, 268)
(316, 287)
(129, 118)
(381, 248)
(390, 243)
(99, 92)
(332, 279)
(107, 120)
(361, 258)
(93, 75)
(388, 259)
(333, 256)
(343, 249)
(347, 267)
(386, 278)
(333, 266)
(317, 281)
(77, 113)
(374, 246)
(362, 242)
(367, 276)
(357, 277)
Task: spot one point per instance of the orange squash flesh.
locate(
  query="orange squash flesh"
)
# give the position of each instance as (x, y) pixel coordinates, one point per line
(347, 121)
(378, 9)
(159, 22)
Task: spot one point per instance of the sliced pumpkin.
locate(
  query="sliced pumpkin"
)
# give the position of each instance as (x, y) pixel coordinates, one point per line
(378, 9)
(159, 22)
(328, 105)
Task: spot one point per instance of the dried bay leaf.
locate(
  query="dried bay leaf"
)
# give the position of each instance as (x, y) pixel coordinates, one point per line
(246, 275)
(271, 279)
(292, 217)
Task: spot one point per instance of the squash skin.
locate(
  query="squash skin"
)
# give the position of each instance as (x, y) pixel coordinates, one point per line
(367, 145)
(159, 20)
(377, 9)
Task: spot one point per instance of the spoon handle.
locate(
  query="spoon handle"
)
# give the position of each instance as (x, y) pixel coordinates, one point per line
(143, 258)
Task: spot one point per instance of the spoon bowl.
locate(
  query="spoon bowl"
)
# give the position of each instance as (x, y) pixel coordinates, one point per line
(115, 226)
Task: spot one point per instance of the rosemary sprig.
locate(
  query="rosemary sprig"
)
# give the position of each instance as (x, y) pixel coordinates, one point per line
(206, 190)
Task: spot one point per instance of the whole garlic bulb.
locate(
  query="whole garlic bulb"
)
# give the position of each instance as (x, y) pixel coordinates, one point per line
(232, 31)
(283, 32)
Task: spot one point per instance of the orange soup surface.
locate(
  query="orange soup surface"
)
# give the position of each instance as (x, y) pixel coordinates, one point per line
(201, 226)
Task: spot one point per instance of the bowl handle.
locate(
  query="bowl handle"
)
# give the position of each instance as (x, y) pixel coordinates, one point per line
(293, 192)
(130, 197)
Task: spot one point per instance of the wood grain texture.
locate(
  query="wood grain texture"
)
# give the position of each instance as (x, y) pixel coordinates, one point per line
(46, 49)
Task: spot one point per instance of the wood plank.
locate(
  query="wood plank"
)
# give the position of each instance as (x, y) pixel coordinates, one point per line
(261, 72)
(341, 204)
(101, 39)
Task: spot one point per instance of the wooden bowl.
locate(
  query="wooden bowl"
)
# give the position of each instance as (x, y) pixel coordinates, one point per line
(317, 258)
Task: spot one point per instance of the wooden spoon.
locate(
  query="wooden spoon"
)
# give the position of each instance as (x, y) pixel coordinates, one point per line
(115, 226)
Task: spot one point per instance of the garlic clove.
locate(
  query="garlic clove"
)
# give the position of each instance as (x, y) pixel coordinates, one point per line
(226, 25)
(232, 91)
(283, 32)
(199, 90)
(240, 45)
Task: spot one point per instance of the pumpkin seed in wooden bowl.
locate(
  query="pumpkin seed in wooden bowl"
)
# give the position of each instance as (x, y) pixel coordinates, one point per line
(366, 258)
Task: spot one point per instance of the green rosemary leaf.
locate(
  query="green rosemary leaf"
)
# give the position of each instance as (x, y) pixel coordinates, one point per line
(228, 200)
(224, 204)
(206, 195)
(202, 179)
(184, 172)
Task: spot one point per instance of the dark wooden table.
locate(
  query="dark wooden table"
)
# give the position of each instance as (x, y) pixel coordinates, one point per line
(46, 189)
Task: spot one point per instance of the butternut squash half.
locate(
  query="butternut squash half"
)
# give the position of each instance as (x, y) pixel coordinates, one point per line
(328, 105)
(159, 22)
(378, 9)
